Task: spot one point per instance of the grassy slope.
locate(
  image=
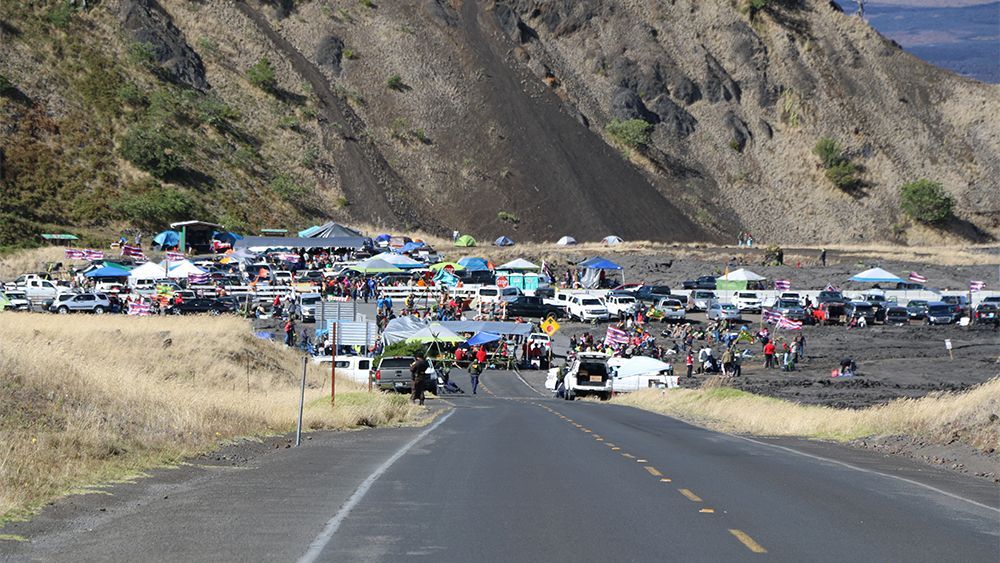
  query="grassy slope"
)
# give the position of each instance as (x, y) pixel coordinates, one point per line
(88, 399)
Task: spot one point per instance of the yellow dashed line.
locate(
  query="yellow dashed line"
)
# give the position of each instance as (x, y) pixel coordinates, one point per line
(707, 511)
(748, 541)
(653, 471)
(690, 496)
(630, 456)
(641, 461)
(665, 480)
(615, 449)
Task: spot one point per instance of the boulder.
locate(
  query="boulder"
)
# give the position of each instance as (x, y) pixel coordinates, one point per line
(146, 22)
(626, 105)
(719, 86)
(739, 133)
(673, 118)
(329, 53)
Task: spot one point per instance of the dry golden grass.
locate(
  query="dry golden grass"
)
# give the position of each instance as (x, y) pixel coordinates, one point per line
(939, 417)
(32, 260)
(86, 399)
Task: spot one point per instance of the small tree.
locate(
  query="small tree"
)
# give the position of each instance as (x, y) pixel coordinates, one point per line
(633, 133)
(844, 175)
(926, 201)
(261, 75)
(395, 82)
(150, 150)
(5, 84)
(829, 151)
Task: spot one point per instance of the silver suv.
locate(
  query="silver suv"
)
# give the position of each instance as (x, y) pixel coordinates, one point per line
(96, 303)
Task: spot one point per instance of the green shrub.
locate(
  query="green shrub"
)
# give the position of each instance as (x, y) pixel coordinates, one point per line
(130, 94)
(829, 151)
(150, 150)
(155, 207)
(349, 54)
(16, 231)
(5, 85)
(141, 54)
(262, 75)
(398, 128)
(844, 175)
(367, 3)
(342, 202)
(214, 112)
(286, 188)
(633, 133)
(926, 201)
(60, 14)
(508, 217)
(395, 82)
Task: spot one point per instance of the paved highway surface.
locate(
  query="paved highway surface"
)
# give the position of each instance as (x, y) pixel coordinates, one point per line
(512, 475)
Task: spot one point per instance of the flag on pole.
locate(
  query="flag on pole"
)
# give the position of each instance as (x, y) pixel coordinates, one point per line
(615, 336)
(789, 324)
(198, 278)
(831, 287)
(139, 308)
(917, 278)
(782, 285)
(134, 251)
(175, 256)
(93, 254)
(770, 316)
(977, 285)
(74, 254)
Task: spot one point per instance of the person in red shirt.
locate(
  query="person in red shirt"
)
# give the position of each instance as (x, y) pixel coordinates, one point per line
(459, 355)
(769, 355)
(689, 362)
(481, 355)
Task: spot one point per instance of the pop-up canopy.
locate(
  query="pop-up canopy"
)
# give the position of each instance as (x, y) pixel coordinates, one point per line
(518, 265)
(876, 275)
(742, 275)
(483, 338)
(435, 333)
(598, 263)
(375, 266)
(398, 260)
(108, 272)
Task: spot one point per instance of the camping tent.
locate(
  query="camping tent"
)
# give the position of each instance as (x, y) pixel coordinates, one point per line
(444, 265)
(183, 269)
(474, 264)
(592, 268)
(148, 271)
(108, 272)
(383, 239)
(738, 280)
(167, 239)
(518, 265)
(503, 241)
(465, 240)
(566, 241)
(483, 338)
(876, 275)
(398, 260)
(612, 240)
(375, 266)
(330, 230)
(434, 332)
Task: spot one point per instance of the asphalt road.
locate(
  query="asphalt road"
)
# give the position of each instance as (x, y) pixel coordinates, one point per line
(512, 475)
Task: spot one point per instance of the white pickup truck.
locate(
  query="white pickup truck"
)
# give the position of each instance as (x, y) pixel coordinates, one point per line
(621, 305)
(588, 375)
(39, 291)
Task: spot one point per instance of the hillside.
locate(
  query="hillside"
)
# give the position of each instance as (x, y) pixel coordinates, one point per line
(486, 117)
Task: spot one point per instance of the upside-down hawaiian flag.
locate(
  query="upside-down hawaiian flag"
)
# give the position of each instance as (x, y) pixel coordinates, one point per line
(74, 254)
(175, 256)
(198, 278)
(977, 285)
(917, 278)
(789, 324)
(615, 336)
(831, 287)
(782, 285)
(770, 316)
(93, 254)
(140, 308)
(134, 251)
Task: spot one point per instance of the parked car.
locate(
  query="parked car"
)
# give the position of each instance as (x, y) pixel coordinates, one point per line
(627, 287)
(747, 302)
(917, 309)
(652, 293)
(723, 311)
(986, 312)
(703, 282)
(17, 298)
(309, 304)
(701, 300)
(588, 374)
(587, 308)
(940, 313)
(897, 316)
(830, 297)
(671, 309)
(493, 294)
(620, 304)
(97, 303)
(859, 309)
(355, 368)
(201, 305)
(959, 304)
(910, 286)
(542, 339)
(879, 304)
(790, 309)
(526, 306)
(994, 299)
(312, 276)
(393, 374)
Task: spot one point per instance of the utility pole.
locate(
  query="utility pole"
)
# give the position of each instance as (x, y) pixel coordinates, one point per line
(861, 8)
(302, 400)
(333, 365)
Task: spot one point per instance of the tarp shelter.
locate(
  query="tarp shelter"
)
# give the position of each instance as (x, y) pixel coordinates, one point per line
(521, 274)
(262, 244)
(876, 275)
(738, 280)
(444, 265)
(465, 240)
(375, 266)
(167, 239)
(566, 241)
(398, 260)
(503, 241)
(225, 236)
(196, 235)
(183, 269)
(611, 240)
(382, 239)
(483, 338)
(592, 268)
(518, 265)
(401, 328)
(446, 279)
(331, 230)
(399, 242)
(108, 272)
(435, 333)
(410, 247)
(474, 264)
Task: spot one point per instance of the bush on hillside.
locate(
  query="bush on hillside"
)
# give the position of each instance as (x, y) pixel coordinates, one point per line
(150, 150)
(926, 201)
(844, 175)
(287, 188)
(155, 207)
(262, 75)
(829, 151)
(5, 84)
(633, 133)
(395, 82)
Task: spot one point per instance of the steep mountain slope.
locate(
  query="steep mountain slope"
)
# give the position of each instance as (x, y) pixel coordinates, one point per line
(486, 117)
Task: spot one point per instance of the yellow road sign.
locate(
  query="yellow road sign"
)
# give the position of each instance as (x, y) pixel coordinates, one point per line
(549, 326)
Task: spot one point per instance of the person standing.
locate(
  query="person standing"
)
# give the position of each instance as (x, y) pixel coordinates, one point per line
(418, 376)
(289, 333)
(822, 257)
(727, 362)
(474, 372)
(769, 354)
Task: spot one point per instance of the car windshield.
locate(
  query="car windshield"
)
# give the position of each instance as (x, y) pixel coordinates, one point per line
(626, 299)
(671, 303)
(950, 298)
(728, 307)
(396, 363)
(788, 303)
(310, 300)
(918, 304)
(488, 292)
(591, 301)
(940, 309)
(748, 295)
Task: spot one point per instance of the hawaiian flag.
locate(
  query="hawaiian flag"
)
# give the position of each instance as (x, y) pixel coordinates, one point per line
(139, 308)
(977, 285)
(831, 287)
(917, 278)
(93, 254)
(175, 256)
(615, 336)
(770, 316)
(134, 251)
(782, 285)
(74, 254)
(547, 271)
(789, 324)
(198, 278)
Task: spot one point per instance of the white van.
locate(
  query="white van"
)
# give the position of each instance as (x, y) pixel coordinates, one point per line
(354, 368)
(493, 294)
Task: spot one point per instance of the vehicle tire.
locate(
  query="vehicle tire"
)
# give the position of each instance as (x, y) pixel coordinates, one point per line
(570, 395)
(63, 310)
(606, 396)
(214, 312)
(98, 310)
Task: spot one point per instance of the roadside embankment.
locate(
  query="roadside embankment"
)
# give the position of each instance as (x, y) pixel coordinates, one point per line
(968, 421)
(87, 399)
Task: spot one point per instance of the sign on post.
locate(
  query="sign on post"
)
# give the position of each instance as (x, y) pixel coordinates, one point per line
(502, 282)
(549, 326)
(947, 346)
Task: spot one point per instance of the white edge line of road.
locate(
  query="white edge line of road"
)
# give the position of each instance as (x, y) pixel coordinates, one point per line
(528, 385)
(323, 539)
(863, 470)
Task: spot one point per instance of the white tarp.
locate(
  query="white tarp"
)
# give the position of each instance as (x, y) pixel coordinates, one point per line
(183, 269)
(517, 265)
(742, 275)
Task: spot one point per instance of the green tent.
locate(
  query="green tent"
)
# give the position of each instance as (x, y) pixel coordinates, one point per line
(465, 240)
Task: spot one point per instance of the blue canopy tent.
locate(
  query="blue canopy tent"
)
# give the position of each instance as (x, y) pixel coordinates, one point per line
(310, 231)
(876, 275)
(108, 272)
(483, 338)
(475, 264)
(383, 238)
(503, 241)
(409, 247)
(167, 239)
(443, 277)
(592, 270)
(228, 237)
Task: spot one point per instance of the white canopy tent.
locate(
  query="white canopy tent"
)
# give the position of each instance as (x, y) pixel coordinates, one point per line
(398, 260)
(742, 275)
(148, 271)
(518, 265)
(183, 269)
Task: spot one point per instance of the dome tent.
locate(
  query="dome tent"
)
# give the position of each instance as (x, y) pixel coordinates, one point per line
(503, 241)
(612, 240)
(465, 240)
(566, 241)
